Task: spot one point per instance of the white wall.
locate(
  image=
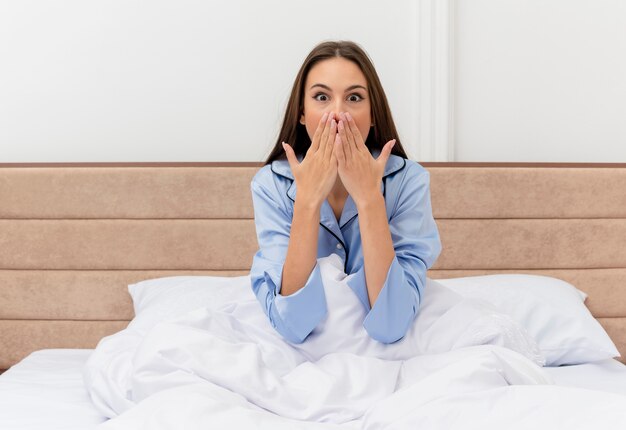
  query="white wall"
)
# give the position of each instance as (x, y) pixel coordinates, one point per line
(177, 80)
(183, 80)
(540, 80)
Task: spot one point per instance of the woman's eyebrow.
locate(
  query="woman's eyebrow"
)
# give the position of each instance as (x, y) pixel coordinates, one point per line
(350, 88)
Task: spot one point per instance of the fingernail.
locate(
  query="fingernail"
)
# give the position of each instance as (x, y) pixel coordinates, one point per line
(340, 125)
(325, 116)
(348, 116)
(333, 123)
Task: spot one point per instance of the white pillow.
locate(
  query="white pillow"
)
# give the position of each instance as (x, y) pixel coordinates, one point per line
(157, 299)
(551, 310)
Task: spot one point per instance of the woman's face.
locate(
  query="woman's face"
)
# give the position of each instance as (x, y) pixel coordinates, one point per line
(336, 85)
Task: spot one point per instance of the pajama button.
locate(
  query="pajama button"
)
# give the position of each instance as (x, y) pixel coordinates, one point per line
(339, 246)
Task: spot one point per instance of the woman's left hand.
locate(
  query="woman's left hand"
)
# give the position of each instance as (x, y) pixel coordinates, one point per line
(360, 173)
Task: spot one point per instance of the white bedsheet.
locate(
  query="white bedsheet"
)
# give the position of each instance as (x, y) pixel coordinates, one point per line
(50, 383)
(460, 366)
(46, 391)
(606, 375)
(474, 392)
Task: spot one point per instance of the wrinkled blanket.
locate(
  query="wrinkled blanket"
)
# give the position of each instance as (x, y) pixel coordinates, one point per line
(225, 365)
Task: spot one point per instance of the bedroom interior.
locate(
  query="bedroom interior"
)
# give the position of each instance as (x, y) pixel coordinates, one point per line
(129, 136)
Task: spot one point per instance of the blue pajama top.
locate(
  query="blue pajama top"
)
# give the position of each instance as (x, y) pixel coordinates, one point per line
(406, 188)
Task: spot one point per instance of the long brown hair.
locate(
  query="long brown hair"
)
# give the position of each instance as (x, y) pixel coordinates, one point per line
(295, 134)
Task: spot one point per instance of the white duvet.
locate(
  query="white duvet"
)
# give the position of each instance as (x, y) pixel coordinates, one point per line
(461, 365)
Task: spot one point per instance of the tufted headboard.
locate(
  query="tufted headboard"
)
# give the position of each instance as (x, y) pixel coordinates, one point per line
(73, 236)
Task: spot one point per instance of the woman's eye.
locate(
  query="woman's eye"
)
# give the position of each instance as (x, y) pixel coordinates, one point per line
(321, 97)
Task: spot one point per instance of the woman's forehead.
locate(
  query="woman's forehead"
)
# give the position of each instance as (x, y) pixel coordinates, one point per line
(336, 73)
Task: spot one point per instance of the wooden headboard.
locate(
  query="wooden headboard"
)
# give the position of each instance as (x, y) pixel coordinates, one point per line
(73, 236)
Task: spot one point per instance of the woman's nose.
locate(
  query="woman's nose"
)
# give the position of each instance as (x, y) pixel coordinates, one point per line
(338, 108)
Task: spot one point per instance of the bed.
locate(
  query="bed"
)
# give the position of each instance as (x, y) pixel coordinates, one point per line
(73, 237)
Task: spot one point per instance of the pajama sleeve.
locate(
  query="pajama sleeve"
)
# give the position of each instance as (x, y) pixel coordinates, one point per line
(296, 315)
(417, 245)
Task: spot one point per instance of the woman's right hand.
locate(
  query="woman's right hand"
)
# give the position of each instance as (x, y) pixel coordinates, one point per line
(316, 174)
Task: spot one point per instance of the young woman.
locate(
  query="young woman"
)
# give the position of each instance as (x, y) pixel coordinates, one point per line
(357, 196)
